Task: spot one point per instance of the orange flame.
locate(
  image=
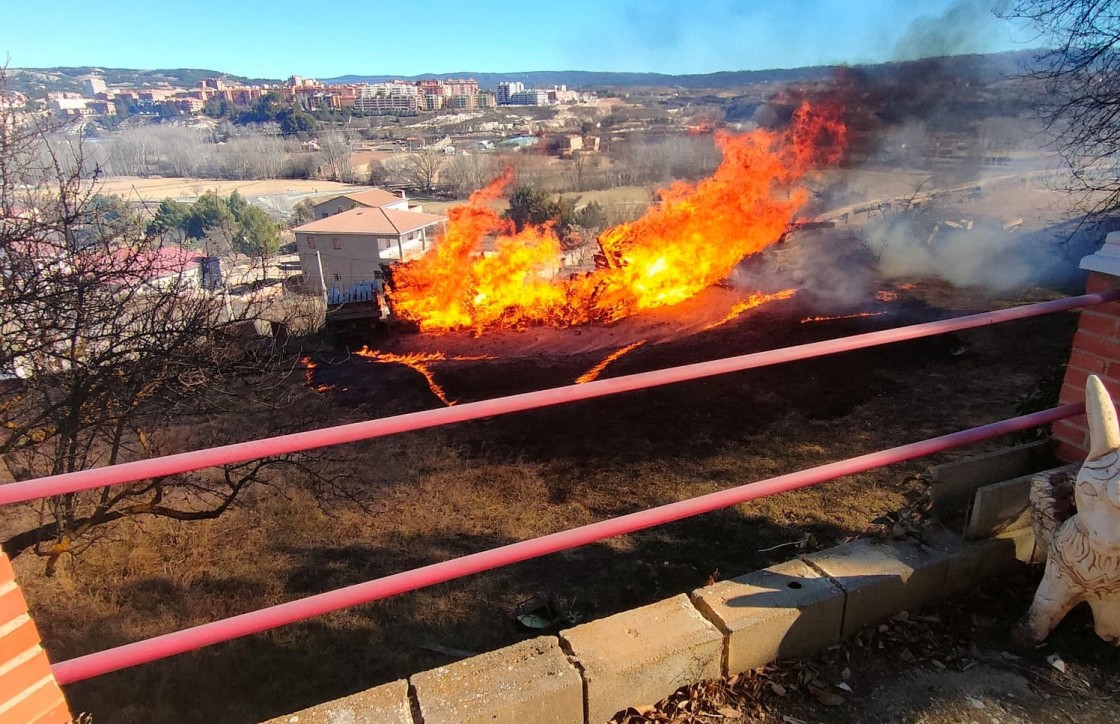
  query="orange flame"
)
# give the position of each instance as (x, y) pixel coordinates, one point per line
(753, 301)
(858, 315)
(593, 374)
(419, 362)
(422, 363)
(688, 242)
(309, 366)
(884, 295)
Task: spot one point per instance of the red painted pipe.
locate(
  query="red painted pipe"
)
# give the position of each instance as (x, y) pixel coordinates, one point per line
(283, 444)
(141, 652)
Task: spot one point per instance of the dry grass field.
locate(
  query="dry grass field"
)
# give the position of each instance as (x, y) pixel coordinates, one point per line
(156, 189)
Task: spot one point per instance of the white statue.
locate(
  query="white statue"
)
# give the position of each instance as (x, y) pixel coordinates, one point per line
(1083, 564)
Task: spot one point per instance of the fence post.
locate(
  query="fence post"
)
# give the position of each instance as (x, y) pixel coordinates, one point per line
(28, 692)
(1096, 349)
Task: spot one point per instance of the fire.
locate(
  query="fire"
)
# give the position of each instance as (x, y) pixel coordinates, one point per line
(752, 302)
(422, 363)
(688, 242)
(891, 295)
(593, 374)
(309, 366)
(858, 315)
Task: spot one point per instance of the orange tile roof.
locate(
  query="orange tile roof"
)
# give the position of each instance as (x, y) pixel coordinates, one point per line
(364, 220)
(374, 197)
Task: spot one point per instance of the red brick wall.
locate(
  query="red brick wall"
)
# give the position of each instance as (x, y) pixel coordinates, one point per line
(1096, 351)
(28, 692)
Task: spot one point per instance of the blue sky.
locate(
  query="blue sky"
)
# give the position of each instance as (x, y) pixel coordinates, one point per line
(278, 38)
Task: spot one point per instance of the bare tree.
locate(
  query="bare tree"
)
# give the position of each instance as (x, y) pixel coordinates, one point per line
(176, 151)
(423, 168)
(112, 352)
(1081, 76)
(465, 174)
(334, 153)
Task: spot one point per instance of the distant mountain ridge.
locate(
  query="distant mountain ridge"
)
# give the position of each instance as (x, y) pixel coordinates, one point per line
(590, 78)
(68, 78)
(984, 67)
(989, 66)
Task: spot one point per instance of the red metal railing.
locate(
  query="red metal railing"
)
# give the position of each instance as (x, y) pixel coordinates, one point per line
(95, 664)
(243, 451)
(159, 647)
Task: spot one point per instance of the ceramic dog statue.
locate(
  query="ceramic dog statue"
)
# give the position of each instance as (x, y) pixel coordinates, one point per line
(1083, 563)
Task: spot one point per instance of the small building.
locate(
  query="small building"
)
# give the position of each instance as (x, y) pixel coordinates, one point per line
(352, 245)
(160, 268)
(528, 98)
(372, 199)
(93, 85)
(506, 89)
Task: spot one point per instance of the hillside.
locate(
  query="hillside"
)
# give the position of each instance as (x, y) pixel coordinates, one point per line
(982, 67)
(994, 67)
(37, 81)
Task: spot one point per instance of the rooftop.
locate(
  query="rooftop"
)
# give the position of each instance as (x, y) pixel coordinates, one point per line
(374, 198)
(367, 220)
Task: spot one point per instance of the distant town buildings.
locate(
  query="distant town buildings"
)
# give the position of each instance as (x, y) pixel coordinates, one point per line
(390, 97)
(513, 93)
(94, 84)
(528, 98)
(506, 89)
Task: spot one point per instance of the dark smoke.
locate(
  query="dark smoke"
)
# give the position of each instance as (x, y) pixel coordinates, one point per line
(964, 27)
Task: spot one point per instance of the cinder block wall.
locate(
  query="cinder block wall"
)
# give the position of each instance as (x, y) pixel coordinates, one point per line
(28, 691)
(1096, 351)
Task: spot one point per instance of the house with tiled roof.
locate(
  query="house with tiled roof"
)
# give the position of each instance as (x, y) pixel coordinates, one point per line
(372, 199)
(352, 245)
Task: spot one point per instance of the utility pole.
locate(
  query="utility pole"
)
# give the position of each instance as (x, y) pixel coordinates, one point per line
(322, 279)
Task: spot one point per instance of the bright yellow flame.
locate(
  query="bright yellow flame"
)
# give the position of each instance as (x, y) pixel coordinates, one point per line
(686, 243)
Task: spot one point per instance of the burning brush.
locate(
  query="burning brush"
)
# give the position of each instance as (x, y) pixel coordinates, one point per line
(688, 242)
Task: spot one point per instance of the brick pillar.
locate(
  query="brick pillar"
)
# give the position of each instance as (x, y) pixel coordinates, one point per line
(1096, 350)
(28, 691)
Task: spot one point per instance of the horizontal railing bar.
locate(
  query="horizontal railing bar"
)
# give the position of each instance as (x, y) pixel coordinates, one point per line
(295, 442)
(159, 647)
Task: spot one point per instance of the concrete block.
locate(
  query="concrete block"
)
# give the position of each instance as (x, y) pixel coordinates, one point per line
(643, 655)
(1004, 507)
(953, 484)
(1000, 507)
(881, 579)
(784, 611)
(972, 562)
(530, 681)
(386, 704)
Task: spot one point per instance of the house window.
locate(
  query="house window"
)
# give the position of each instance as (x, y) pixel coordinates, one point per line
(338, 277)
(337, 243)
(311, 242)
